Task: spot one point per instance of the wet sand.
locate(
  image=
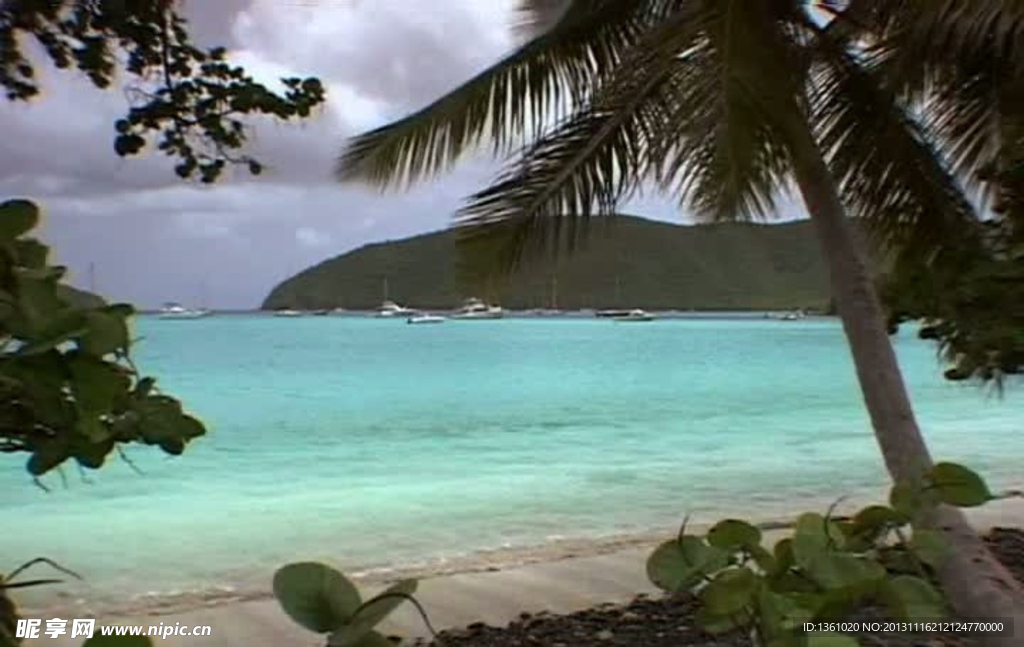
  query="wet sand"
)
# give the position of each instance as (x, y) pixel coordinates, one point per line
(495, 596)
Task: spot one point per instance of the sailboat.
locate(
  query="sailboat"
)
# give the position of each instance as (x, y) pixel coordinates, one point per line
(391, 309)
(174, 310)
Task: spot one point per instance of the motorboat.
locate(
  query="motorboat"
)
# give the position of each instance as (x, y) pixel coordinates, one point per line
(635, 315)
(474, 308)
(320, 313)
(288, 312)
(178, 311)
(392, 309)
(612, 313)
(425, 319)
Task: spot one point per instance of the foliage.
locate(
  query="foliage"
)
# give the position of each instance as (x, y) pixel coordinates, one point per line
(9, 611)
(324, 601)
(68, 388)
(191, 99)
(639, 263)
(971, 295)
(827, 570)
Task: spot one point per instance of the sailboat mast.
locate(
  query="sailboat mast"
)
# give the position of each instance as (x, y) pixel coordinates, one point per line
(385, 288)
(92, 278)
(554, 293)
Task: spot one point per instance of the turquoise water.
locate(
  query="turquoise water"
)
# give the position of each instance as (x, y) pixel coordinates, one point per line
(371, 443)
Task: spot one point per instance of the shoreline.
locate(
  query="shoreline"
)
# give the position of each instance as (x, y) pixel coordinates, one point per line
(495, 597)
(1007, 510)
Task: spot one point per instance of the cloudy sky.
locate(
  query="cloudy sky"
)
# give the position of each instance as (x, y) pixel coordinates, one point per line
(153, 238)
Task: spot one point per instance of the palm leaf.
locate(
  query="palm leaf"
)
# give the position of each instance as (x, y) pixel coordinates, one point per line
(890, 175)
(725, 149)
(583, 166)
(506, 103)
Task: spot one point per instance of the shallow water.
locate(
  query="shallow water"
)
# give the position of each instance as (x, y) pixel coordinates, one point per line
(370, 443)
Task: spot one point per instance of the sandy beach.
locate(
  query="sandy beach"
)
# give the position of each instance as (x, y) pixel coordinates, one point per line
(493, 596)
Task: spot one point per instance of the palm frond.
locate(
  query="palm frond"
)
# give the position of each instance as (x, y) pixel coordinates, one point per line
(508, 102)
(584, 166)
(725, 153)
(890, 175)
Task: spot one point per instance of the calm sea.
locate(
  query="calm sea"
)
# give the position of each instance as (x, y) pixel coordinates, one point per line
(371, 443)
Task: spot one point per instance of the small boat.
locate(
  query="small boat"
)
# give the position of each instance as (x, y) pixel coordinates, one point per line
(635, 315)
(338, 311)
(178, 311)
(613, 313)
(320, 313)
(392, 309)
(288, 312)
(425, 319)
(476, 309)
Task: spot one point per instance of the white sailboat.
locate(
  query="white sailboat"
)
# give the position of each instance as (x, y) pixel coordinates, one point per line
(390, 309)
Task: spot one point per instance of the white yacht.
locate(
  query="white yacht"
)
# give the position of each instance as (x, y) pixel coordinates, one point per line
(288, 312)
(178, 311)
(477, 309)
(392, 309)
(635, 315)
(425, 318)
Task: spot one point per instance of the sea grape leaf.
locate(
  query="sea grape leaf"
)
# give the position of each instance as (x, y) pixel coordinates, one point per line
(17, 217)
(31, 253)
(835, 570)
(680, 564)
(734, 533)
(731, 591)
(929, 546)
(371, 614)
(957, 485)
(912, 599)
(108, 333)
(315, 595)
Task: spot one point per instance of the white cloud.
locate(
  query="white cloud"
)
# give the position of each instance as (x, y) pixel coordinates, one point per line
(310, 237)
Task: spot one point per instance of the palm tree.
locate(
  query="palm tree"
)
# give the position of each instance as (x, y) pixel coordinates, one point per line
(724, 104)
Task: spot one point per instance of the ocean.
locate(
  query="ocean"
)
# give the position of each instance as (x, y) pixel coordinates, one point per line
(376, 445)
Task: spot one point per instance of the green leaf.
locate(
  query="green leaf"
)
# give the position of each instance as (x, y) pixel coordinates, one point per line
(108, 333)
(764, 559)
(17, 217)
(118, 641)
(161, 420)
(780, 614)
(97, 385)
(929, 546)
(734, 533)
(371, 614)
(31, 253)
(315, 596)
(48, 454)
(680, 564)
(873, 519)
(67, 326)
(37, 303)
(831, 640)
(911, 598)
(812, 535)
(784, 559)
(717, 624)
(907, 500)
(730, 592)
(835, 570)
(957, 485)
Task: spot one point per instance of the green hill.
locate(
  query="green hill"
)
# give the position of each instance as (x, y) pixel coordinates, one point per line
(635, 263)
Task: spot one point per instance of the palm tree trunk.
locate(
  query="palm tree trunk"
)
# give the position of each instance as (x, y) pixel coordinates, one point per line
(977, 585)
